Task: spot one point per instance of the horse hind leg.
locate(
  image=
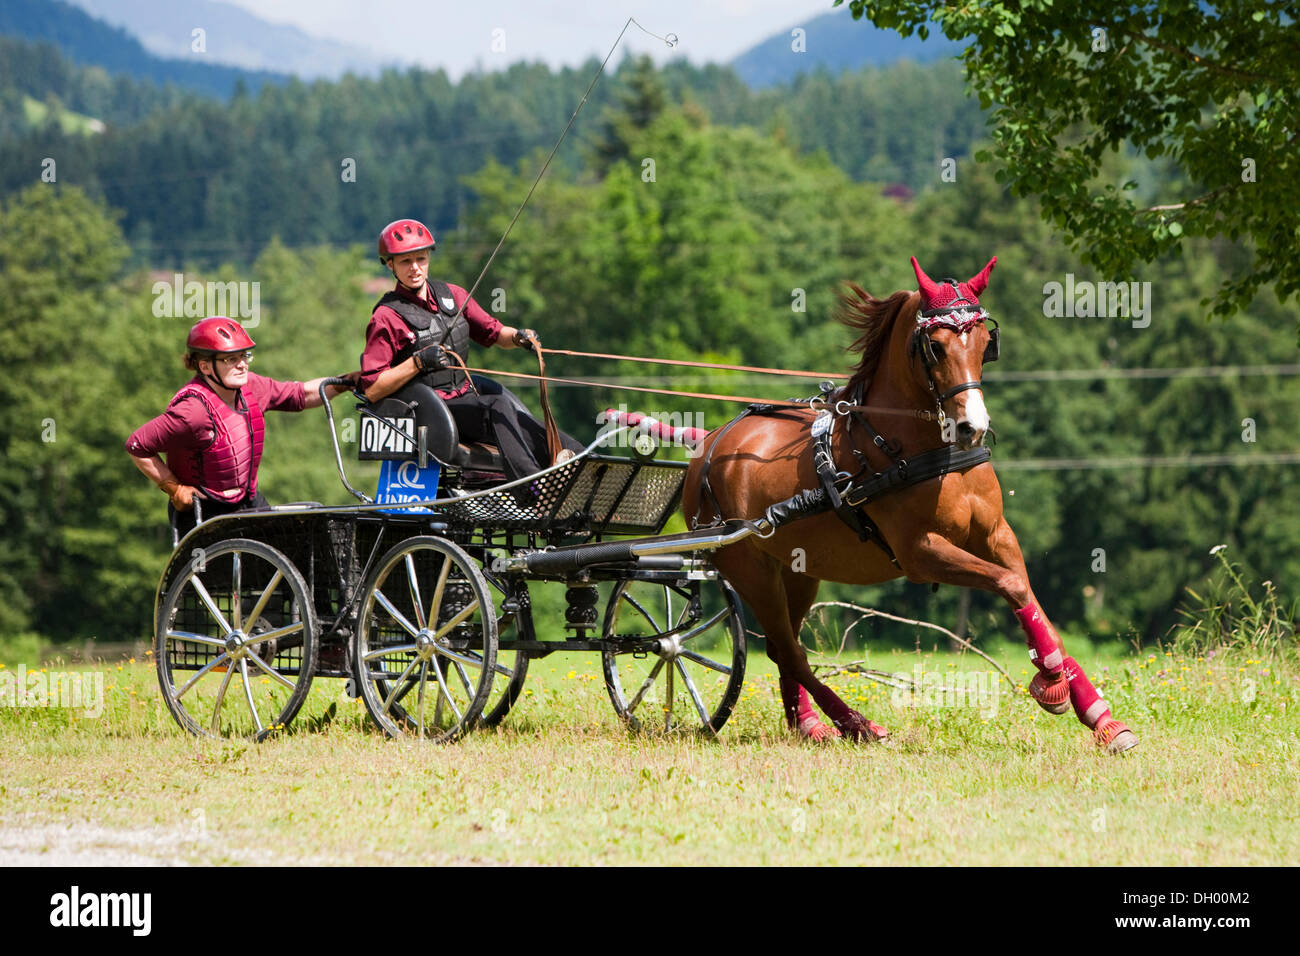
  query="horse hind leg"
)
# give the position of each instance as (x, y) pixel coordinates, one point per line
(801, 591)
(758, 580)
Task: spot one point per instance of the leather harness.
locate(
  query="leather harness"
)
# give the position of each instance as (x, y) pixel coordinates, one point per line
(848, 494)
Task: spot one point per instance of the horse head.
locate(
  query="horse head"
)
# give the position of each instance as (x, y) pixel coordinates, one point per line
(950, 344)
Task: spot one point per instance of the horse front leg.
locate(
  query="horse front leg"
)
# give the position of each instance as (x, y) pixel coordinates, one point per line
(1060, 682)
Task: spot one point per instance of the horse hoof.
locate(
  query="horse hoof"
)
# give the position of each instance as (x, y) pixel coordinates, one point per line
(1053, 696)
(856, 727)
(813, 729)
(1113, 736)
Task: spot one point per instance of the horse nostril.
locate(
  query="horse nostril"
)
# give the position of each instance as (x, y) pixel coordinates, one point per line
(965, 428)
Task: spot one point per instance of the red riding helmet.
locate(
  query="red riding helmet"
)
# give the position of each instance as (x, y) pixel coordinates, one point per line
(403, 236)
(218, 334)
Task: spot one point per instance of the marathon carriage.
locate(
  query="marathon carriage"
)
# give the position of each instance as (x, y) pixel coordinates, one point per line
(420, 598)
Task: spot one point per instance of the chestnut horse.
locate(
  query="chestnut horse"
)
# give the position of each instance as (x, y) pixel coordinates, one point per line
(921, 351)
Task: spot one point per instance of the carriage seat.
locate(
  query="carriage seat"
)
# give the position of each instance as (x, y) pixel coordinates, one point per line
(441, 436)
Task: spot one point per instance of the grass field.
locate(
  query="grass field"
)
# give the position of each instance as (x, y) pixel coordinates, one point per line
(992, 780)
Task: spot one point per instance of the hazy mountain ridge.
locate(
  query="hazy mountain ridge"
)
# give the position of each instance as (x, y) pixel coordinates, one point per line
(836, 42)
(234, 37)
(91, 42)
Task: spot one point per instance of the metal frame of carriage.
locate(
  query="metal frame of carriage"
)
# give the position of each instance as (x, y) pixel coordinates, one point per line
(424, 608)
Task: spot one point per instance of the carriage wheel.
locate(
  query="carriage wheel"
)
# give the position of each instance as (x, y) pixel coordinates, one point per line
(235, 641)
(676, 654)
(511, 666)
(427, 643)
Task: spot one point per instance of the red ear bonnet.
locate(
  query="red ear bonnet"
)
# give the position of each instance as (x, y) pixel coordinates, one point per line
(939, 295)
(979, 282)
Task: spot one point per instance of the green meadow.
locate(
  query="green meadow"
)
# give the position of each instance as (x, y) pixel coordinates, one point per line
(974, 773)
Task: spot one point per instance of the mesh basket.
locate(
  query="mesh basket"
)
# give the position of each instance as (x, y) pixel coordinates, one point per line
(596, 494)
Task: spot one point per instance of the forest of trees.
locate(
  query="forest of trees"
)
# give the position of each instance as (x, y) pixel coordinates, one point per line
(203, 181)
(729, 246)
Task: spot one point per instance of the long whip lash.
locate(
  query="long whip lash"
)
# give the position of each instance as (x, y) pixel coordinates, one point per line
(553, 444)
(670, 40)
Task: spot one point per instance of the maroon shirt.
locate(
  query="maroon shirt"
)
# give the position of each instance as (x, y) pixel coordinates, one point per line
(387, 334)
(185, 427)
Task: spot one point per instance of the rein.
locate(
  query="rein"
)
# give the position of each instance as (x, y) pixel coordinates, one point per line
(840, 407)
(553, 443)
(689, 364)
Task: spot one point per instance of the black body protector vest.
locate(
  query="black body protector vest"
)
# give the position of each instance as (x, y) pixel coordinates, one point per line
(441, 327)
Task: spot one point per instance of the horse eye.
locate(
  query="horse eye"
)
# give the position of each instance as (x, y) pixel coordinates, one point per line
(938, 350)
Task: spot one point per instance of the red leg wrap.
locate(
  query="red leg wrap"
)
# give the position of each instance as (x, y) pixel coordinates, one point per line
(1089, 706)
(1044, 649)
(848, 720)
(805, 705)
(810, 725)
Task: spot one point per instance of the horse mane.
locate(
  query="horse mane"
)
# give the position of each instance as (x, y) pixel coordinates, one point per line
(873, 318)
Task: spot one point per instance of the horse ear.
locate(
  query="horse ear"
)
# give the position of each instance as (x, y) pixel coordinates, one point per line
(980, 281)
(929, 288)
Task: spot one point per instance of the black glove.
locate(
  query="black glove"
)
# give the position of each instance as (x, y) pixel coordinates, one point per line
(526, 339)
(431, 358)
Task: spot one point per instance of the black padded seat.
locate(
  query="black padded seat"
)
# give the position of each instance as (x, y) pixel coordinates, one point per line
(432, 415)
(478, 456)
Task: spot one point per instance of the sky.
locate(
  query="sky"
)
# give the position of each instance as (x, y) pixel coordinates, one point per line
(459, 36)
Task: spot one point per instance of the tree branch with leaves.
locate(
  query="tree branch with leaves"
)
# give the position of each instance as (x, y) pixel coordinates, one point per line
(1215, 89)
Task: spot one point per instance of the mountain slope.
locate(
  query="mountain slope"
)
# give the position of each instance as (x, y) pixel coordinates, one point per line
(834, 41)
(234, 37)
(88, 41)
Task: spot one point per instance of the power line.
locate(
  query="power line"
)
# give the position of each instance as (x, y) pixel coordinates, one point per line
(1069, 374)
(1083, 374)
(1149, 461)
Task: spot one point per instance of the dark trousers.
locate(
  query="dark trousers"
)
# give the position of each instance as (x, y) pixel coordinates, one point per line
(496, 415)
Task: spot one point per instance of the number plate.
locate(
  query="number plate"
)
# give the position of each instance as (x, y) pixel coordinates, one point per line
(822, 424)
(381, 442)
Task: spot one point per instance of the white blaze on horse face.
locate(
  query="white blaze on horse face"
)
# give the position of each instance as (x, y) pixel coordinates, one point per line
(973, 415)
(974, 412)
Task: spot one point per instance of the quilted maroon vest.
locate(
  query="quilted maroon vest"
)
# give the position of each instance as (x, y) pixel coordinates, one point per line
(217, 467)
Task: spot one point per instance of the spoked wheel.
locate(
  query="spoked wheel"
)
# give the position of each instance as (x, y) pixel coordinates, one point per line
(235, 641)
(515, 622)
(677, 656)
(427, 642)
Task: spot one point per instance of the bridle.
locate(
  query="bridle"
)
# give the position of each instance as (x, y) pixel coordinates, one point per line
(960, 316)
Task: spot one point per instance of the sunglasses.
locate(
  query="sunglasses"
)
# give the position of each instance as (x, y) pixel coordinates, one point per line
(245, 357)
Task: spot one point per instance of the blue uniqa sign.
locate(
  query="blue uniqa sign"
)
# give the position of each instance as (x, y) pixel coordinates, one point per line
(407, 481)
